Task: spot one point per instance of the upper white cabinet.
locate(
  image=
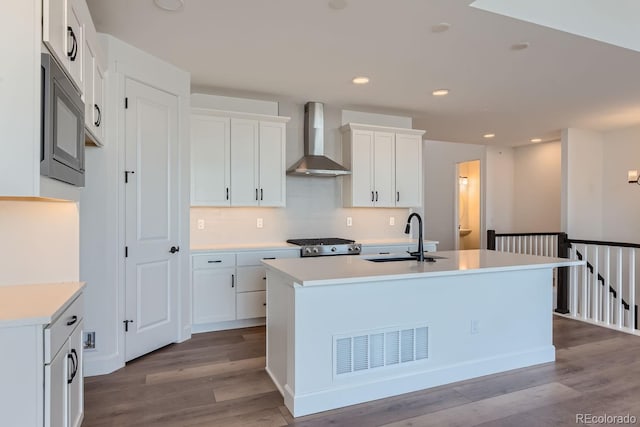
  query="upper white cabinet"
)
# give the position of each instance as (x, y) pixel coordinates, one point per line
(237, 159)
(62, 32)
(93, 93)
(386, 166)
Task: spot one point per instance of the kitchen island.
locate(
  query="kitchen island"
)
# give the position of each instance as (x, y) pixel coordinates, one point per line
(344, 330)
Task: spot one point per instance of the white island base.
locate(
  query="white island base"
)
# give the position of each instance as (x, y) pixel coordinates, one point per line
(375, 330)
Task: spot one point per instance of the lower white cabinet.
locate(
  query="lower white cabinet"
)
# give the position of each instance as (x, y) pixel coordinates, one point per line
(230, 287)
(42, 367)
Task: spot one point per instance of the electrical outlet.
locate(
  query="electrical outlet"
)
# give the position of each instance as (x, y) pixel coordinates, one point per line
(475, 327)
(201, 224)
(259, 223)
(392, 220)
(89, 341)
(349, 221)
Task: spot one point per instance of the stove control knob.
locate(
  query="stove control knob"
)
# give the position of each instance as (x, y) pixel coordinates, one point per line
(315, 250)
(333, 249)
(350, 249)
(307, 250)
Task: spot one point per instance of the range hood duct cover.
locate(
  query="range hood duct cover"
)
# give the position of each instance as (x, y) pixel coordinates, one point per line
(314, 162)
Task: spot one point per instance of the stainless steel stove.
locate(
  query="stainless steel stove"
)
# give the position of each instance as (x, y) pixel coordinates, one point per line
(327, 246)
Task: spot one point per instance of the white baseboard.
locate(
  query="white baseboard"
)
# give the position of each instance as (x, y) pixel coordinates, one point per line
(101, 365)
(223, 326)
(372, 389)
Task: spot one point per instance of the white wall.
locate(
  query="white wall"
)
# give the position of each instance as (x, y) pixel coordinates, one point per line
(39, 242)
(582, 183)
(499, 189)
(440, 182)
(102, 206)
(621, 200)
(537, 179)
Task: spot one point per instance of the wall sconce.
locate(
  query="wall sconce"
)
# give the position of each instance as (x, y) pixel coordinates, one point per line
(463, 180)
(632, 177)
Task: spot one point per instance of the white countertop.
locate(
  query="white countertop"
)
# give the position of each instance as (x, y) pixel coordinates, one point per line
(352, 269)
(39, 304)
(240, 247)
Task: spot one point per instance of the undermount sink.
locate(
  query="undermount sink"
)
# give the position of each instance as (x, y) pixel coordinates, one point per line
(465, 232)
(427, 258)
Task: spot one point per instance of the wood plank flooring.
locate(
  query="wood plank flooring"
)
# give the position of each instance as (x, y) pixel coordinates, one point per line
(218, 379)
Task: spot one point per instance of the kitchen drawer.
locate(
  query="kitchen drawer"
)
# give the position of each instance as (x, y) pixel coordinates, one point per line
(251, 304)
(383, 250)
(254, 258)
(57, 332)
(214, 260)
(251, 278)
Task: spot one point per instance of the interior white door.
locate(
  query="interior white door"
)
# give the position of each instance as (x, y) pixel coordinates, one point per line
(151, 210)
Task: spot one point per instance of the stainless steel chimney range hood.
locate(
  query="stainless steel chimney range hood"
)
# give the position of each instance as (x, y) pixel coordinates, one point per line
(314, 162)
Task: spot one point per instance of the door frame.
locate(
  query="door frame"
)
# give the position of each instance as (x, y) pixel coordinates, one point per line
(483, 192)
(165, 77)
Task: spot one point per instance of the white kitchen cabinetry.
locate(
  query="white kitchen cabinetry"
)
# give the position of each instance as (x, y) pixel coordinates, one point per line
(215, 305)
(42, 372)
(214, 295)
(93, 92)
(237, 159)
(386, 165)
(62, 32)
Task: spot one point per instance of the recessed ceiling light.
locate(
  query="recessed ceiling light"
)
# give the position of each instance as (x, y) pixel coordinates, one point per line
(441, 27)
(440, 92)
(360, 80)
(489, 135)
(536, 140)
(169, 5)
(520, 46)
(337, 4)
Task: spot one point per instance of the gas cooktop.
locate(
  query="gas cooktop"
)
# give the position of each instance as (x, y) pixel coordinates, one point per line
(326, 246)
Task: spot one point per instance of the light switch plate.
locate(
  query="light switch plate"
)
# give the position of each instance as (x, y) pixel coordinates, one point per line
(259, 223)
(201, 224)
(392, 220)
(349, 221)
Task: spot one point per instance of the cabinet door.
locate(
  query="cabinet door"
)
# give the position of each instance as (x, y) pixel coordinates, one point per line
(362, 168)
(87, 93)
(384, 169)
(98, 102)
(54, 28)
(76, 386)
(272, 164)
(252, 304)
(244, 162)
(252, 278)
(55, 390)
(75, 44)
(408, 170)
(210, 160)
(214, 295)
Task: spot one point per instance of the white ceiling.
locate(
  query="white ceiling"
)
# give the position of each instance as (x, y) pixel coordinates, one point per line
(304, 50)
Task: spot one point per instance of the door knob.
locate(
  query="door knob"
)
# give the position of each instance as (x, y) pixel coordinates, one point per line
(174, 249)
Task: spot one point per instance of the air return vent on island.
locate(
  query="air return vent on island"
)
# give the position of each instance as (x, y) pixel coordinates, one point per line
(376, 349)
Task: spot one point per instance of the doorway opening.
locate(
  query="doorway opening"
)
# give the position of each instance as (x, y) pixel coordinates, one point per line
(468, 202)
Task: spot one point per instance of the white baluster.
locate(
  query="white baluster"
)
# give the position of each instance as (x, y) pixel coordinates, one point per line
(573, 288)
(595, 302)
(607, 279)
(585, 284)
(632, 287)
(618, 287)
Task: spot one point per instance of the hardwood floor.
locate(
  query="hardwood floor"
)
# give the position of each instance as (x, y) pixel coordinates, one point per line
(218, 379)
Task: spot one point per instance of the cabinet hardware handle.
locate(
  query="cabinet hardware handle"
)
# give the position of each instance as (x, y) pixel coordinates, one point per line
(233, 280)
(261, 194)
(74, 46)
(384, 253)
(376, 196)
(271, 257)
(227, 193)
(211, 261)
(397, 196)
(73, 320)
(174, 249)
(264, 304)
(126, 324)
(99, 119)
(73, 356)
(70, 375)
(372, 196)
(256, 194)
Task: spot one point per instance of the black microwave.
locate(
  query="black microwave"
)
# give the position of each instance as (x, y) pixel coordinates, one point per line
(61, 125)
